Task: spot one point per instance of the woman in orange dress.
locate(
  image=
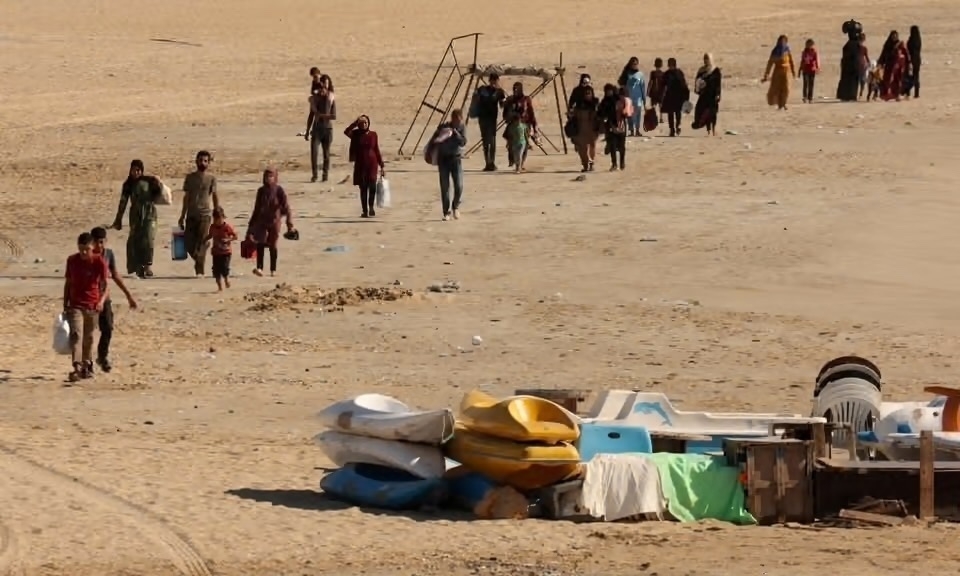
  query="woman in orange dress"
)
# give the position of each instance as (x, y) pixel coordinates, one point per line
(780, 72)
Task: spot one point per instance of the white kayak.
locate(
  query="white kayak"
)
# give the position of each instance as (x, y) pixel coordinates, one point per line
(379, 416)
(417, 459)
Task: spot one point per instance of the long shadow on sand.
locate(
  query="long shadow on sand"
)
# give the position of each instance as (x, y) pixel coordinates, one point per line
(318, 501)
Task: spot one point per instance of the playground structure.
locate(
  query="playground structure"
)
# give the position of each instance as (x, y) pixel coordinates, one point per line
(466, 77)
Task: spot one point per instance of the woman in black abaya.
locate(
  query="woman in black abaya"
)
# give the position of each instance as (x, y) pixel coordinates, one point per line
(849, 84)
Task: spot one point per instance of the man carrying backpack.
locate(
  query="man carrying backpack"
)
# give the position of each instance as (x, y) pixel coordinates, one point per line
(485, 107)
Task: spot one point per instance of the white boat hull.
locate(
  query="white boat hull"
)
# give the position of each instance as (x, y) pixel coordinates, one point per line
(386, 418)
(418, 459)
(656, 413)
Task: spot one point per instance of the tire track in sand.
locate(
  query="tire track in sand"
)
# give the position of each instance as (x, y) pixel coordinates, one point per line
(181, 552)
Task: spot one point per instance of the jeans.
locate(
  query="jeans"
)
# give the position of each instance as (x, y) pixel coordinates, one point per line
(618, 146)
(673, 120)
(488, 136)
(106, 331)
(808, 80)
(320, 139)
(450, 168)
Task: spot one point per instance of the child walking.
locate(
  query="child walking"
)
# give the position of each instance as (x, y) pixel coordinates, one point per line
(85, 291)
(221, 235)
(520, 144)
(874, 79)
(809, 68)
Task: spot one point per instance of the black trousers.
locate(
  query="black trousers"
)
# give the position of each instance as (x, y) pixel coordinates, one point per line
(106, 331)
(618, 148)
(808, 80)
(368, 197)
(673, 120)
(320, 139)
(221, 265)
(261, 248)
(488, 137)
(916, 80)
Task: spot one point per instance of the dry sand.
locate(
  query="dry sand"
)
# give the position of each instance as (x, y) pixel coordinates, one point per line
(834, 232)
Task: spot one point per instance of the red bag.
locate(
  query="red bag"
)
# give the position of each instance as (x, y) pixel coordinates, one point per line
(248, 250)
(650, 120)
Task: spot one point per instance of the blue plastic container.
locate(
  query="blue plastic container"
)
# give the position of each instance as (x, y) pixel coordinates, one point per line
(178, 245)
(612, 439)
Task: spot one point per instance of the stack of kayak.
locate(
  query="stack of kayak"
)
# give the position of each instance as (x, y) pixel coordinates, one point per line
(524, 442)
(389, 454)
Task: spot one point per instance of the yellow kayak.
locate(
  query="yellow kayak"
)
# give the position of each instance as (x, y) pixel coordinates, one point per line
(525, 466)
(520, 418)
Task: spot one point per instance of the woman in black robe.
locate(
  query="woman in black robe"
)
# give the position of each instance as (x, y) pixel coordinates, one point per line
(676, 93)
(849, 85)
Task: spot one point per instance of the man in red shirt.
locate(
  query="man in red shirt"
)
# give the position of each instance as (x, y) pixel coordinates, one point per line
(84, 292)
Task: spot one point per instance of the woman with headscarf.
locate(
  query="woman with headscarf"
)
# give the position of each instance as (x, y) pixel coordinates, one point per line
(895, 62)
(367, 162)
(583, 113)
(633, 80)
(780, 72)
(269, 210)
(676, 93)
(518, 109)
(914, 47)
(141, 192)
(708, 86)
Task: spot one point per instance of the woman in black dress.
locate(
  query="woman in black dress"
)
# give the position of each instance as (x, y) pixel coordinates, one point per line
(708, 86)
(914, 46)
(676, 93)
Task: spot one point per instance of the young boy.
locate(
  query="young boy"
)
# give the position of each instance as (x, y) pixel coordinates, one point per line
(222, 235)
(84, 293)
(105, 321)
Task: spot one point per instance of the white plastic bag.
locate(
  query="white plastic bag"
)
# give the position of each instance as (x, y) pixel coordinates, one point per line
(383, 193)
(61, 335)
(165, 198)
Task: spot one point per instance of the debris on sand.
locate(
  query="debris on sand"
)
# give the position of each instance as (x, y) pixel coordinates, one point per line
(287, 297)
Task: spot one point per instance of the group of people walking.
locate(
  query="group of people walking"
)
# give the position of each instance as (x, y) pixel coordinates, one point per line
(894, 75)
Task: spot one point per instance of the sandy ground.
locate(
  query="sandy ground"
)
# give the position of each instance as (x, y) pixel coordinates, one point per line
(825, 230)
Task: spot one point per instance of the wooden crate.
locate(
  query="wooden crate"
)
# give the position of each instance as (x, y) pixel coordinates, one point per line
(777, 476)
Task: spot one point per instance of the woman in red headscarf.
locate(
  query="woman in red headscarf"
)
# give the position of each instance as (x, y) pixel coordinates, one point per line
(269, 210)
(895, 62)
(367, 162)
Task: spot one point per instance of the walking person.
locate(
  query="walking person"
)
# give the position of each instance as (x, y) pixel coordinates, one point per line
(809, 68)
(615, 112)
(655, 86)
(865, 66)
(708, 86)
(676, 93)
(518, 107)
(269, 211)
(84, 292)
(780, 71)
(199, 200)
(914, 47)
(367, 163)
(633, 80)
(448, 142)
(485, 107)
(582, 109)
(222, 236)
(141, 192)
(895, 62)
(105, 319)
(323, 111)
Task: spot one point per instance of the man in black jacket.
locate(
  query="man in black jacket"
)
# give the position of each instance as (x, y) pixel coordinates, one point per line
(487, 101)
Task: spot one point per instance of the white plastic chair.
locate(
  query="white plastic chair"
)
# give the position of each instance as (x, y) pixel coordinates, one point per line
(852, 401)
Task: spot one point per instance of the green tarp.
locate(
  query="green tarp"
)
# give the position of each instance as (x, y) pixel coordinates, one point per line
(700, 487)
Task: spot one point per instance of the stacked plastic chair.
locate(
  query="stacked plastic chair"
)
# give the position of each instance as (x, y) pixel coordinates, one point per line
(848, 390)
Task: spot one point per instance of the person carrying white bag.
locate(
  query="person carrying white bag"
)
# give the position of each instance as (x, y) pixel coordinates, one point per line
(85, 290)
(383, 192)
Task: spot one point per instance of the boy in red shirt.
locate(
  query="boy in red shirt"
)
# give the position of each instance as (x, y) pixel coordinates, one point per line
(84, 292)
(221, 234)
(809, 68)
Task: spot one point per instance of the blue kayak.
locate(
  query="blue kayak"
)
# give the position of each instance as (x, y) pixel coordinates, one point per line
(381, 487)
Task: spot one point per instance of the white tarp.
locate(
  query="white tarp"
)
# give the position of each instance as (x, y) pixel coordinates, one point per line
(617, 486)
